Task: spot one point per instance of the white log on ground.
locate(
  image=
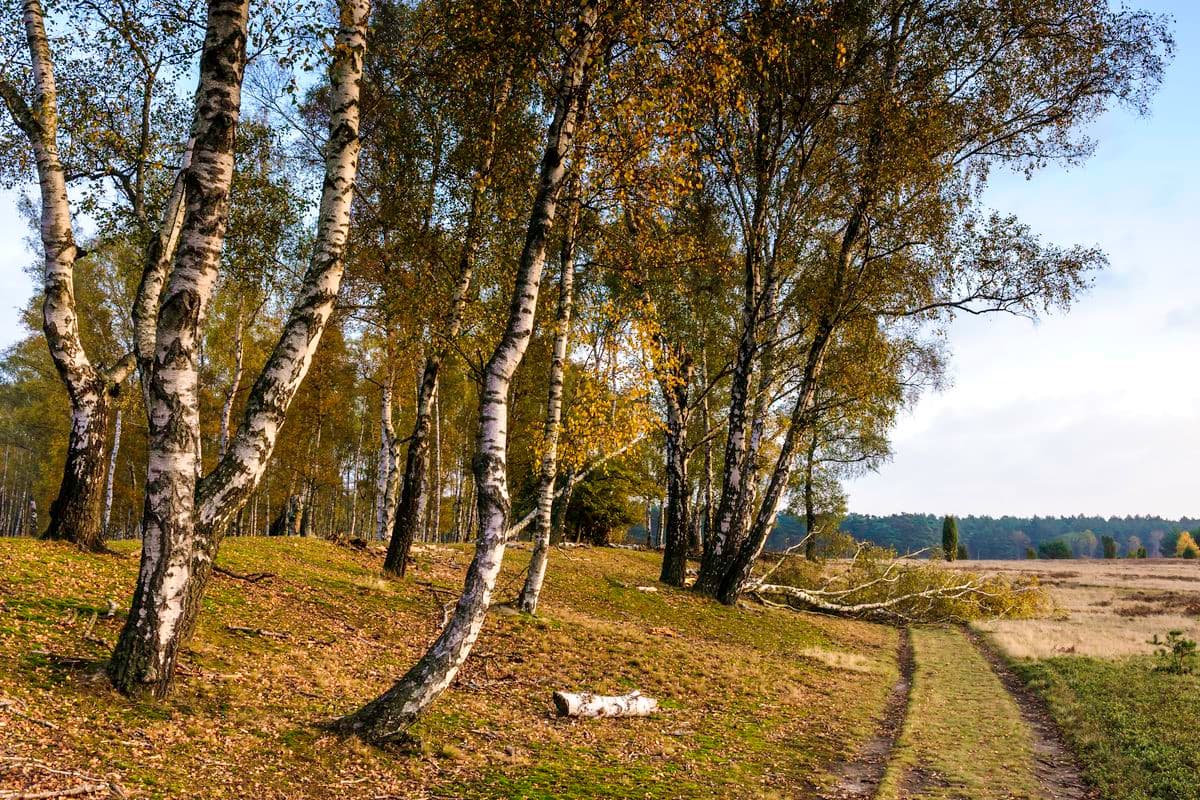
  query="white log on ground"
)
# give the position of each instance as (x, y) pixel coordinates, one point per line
(589, 706)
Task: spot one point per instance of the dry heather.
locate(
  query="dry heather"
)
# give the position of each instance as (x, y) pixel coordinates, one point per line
(1104, 608)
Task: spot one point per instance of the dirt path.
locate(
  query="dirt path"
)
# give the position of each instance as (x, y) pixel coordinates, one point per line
(1054, 764)
(859, 778)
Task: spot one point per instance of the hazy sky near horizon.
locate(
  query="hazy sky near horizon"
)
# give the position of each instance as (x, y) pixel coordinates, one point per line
(1096, 411)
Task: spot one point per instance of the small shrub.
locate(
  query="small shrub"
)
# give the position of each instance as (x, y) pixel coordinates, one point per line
(963, 555)
(1110, 546)
(1030, 554)
(1141, 552)
(1175, 653)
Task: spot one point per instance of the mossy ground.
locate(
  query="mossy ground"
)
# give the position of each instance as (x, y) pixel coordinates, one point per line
(1134, 728)
(756, 702)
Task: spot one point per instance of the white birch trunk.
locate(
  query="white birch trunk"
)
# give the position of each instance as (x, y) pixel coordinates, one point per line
(171, 550)
(388, 716)
(388, 482)
(354, 476)
(535, 575)
(231, 395)
(184, 518)
(112, 470)
(75, 514)
(590, 706)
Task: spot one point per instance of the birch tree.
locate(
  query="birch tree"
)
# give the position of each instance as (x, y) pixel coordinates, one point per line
(388, 716)
(185, 516)
(101, 142)
(548, 473)
(942, 99)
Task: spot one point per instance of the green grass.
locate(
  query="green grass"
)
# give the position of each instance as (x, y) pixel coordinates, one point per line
(963, 736)
(745, 713)
(1137, 731)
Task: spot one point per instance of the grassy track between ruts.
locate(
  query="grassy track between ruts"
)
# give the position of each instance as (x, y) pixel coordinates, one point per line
(963, 736)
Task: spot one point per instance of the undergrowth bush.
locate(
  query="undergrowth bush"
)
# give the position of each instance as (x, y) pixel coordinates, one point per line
(1176, 653)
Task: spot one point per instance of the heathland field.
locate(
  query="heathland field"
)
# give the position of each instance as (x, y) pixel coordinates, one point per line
(1131, 723)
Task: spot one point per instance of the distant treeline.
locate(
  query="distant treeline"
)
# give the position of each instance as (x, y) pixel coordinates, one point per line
(1002, 537)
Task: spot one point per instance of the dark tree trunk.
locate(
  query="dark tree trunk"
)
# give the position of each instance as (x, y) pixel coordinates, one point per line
(410, 513)
(675, 534)
(810, 512)
(558, 516)
(76, 514)
(414, 493)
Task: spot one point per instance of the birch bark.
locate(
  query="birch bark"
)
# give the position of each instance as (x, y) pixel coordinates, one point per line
(385, 487)
(184, 516)
(111, 477)
(388, 716)
(536, 573)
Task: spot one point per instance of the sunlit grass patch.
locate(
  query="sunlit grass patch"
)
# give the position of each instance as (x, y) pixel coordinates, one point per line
(746, 713)
(1134, 728)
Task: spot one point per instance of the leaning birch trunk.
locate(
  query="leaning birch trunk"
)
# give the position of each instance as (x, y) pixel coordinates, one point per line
(590, 706)
(737, 575)
(536, 574)
(410, 516)
(75, 514)
(737, 480)
(184, 518)
(387, 717)
(231, 395)
(733, 479)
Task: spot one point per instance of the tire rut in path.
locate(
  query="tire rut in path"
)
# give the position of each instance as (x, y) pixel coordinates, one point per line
(858, 779)
(1055, 765)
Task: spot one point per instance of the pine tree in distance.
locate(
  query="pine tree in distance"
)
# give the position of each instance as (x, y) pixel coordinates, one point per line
(950, 538)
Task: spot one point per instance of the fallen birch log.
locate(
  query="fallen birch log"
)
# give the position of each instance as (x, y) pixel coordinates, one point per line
(588, 705)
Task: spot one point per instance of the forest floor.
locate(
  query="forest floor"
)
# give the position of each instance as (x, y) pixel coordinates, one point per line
(756, 702)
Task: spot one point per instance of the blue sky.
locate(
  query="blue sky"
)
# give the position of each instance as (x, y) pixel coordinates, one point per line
(1096, 411)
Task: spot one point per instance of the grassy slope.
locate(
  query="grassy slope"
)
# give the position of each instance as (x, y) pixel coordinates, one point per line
(746, 715)
(1135, 729)
(963, 736)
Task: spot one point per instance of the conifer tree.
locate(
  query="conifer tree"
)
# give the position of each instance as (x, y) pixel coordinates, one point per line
(950, 538)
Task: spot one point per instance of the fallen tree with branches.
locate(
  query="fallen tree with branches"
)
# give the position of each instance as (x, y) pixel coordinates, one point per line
(879, 584)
